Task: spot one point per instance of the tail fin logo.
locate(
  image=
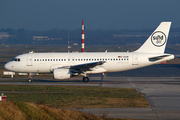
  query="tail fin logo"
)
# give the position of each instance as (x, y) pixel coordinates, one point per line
(158, 39)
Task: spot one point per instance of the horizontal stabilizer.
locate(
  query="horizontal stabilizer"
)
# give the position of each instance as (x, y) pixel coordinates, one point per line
(153, 59)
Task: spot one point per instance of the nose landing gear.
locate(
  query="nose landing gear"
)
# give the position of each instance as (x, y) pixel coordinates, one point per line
(30, 78)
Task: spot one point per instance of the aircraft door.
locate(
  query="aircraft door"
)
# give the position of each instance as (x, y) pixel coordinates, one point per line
(29, 60)
(134, 59)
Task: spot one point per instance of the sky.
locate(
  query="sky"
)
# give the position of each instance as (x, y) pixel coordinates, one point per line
(97, 14)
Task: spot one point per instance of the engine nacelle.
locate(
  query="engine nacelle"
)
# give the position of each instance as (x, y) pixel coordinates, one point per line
(61, 73)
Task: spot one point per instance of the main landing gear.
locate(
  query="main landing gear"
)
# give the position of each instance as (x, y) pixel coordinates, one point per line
(85, 79)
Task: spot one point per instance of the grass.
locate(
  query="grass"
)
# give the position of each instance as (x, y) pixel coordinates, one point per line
(76, 96)
(29, 111)
(83, 100)
(10, 110)
(58, 88)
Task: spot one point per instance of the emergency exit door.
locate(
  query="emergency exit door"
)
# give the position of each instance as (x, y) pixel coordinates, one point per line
(29, 60)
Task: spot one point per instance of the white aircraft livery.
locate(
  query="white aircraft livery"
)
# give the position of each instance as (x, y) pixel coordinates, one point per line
(66, 65)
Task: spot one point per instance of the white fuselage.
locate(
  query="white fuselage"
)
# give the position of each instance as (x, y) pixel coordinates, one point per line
(114, 61)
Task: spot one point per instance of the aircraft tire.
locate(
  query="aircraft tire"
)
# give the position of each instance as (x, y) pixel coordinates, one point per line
(85, 79)
(29, 80)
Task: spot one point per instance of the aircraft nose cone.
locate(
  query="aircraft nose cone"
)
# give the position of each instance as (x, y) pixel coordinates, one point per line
(7, 66)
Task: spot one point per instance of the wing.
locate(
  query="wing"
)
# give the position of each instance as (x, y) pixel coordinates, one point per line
(83, 67)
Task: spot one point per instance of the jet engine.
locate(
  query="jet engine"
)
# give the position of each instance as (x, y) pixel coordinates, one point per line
(61, 73)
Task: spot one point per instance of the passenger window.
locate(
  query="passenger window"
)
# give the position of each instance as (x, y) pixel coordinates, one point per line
(37, 59)
(34, 59)
(64, 59)
(68, 59)
(45, 59)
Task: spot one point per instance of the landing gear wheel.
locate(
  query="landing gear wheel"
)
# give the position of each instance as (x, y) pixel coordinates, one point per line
(29, 80)
(85, 79)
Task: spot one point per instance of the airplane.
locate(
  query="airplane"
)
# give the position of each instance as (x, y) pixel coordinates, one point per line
(67, 65)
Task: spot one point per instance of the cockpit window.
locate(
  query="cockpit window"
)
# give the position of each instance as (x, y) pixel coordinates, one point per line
(13, 59)
(16, 59)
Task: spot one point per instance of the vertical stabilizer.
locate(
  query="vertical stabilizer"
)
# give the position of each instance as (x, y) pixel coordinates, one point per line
(156, 42)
